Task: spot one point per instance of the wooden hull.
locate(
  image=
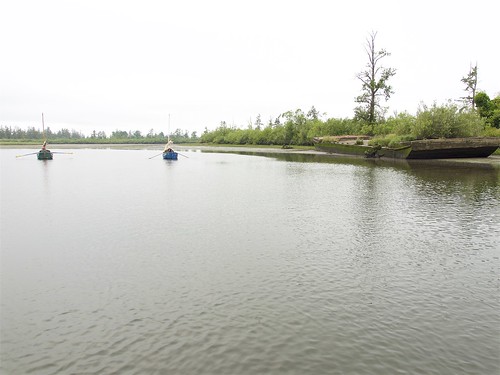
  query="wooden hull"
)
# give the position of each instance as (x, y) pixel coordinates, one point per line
(423, 149)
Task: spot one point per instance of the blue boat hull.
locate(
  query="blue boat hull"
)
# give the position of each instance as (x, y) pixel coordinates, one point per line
(171, 155)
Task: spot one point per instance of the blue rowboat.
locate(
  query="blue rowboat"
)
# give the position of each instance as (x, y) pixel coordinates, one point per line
(170, 155)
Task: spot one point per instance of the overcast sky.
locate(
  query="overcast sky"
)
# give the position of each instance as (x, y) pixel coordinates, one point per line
(124, 64)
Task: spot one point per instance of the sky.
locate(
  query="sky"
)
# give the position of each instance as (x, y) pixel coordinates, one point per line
(131, 65)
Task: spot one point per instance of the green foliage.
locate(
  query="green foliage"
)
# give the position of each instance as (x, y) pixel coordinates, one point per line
(390, 140)
(491, 132)
(334, 126)
(488, 109)
(7, 132)
(367, 129)
(297, 129)
(402, 123)
(290, 128)
(74, 137)
(446, 122)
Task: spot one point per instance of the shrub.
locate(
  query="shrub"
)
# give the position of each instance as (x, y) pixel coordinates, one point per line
(490, 131)
(402, 123)
(446, 122)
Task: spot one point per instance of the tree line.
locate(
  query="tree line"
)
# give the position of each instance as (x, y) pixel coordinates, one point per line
(300, 128)
(73, 136)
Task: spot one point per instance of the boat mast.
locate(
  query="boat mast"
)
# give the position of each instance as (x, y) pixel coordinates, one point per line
(43, 132)
(167, 146)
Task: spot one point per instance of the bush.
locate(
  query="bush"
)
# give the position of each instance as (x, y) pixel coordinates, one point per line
(402, 124)
(367, 129)
(380, 141)
(334, 126)
(391, 140)
(490, 131)
(446, 122)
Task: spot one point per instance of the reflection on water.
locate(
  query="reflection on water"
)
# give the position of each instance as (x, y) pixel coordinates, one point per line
(241, 264)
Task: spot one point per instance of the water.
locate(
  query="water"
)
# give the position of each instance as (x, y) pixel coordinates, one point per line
(218, 263)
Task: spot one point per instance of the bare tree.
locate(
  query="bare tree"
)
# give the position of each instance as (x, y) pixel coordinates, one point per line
(374, 83)
(470, 86)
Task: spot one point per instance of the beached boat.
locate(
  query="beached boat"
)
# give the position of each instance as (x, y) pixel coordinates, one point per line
(473, 147)
(453, 148)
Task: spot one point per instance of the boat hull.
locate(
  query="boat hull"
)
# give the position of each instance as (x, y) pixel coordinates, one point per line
(364, 151)
(422, 149)
(453, 148)
(44, 155)
(171, 155)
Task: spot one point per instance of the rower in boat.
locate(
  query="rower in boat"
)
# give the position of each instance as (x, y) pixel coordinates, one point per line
(168, 152)
(44, 154)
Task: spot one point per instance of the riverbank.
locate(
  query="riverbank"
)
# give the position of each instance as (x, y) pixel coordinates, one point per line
(491, 161)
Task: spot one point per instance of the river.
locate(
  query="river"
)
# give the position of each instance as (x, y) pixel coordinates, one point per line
(226, 263)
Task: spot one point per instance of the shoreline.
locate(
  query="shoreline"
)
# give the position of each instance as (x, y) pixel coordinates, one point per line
(491, 161)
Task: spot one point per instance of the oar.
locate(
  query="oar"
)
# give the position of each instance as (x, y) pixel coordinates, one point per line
(182, 154)
(20, 156)
(55, 152)
(155, 156)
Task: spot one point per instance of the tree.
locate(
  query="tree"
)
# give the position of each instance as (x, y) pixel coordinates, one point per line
(374, 84)
(120, 134)
(488, 109)
(258, 122)
(483, 104)
(63, 133)
(313, 114)
(470, 81)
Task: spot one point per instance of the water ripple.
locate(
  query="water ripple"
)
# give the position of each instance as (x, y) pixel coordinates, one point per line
(263, 267)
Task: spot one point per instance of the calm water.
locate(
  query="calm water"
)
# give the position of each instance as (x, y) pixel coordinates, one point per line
(112, 263)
